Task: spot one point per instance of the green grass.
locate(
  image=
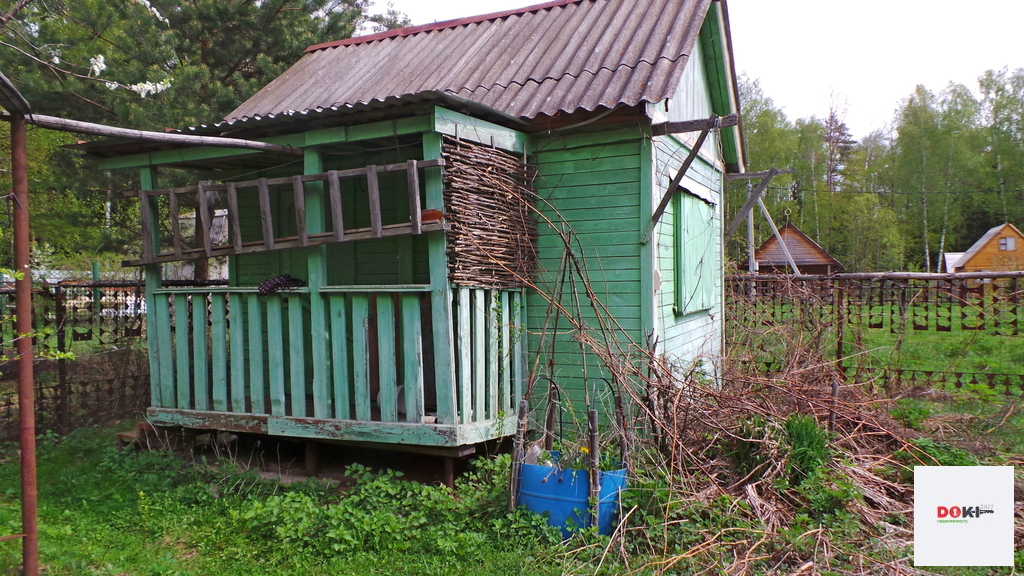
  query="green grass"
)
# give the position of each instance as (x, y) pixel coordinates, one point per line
(106, 512)
(963, 351)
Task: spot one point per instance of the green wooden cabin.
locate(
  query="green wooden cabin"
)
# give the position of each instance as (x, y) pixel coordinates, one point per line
(399, 188)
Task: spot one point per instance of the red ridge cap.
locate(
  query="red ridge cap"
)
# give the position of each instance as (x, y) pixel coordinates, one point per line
(411, 30)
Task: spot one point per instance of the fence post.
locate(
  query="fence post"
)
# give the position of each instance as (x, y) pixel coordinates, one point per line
(839, 303)
(63, 416)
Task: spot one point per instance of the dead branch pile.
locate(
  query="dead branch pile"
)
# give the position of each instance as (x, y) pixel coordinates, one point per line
(493, 231)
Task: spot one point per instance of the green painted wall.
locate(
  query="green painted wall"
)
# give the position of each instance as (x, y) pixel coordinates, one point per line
(688, 325)
(593, 179)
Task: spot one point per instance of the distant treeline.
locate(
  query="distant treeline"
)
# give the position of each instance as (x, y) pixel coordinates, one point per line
(949, 167)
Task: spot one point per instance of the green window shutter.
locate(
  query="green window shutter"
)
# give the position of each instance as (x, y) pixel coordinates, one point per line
(694, 253)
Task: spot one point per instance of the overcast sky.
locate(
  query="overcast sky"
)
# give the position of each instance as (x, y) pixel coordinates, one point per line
(865, 55)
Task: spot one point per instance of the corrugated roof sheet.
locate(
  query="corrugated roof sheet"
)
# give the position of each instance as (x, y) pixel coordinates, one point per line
(556, 57)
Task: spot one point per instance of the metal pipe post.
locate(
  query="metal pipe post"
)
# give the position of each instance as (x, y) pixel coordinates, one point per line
(26, 397)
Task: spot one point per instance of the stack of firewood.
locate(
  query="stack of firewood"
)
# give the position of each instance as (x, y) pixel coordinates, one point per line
(489, 205)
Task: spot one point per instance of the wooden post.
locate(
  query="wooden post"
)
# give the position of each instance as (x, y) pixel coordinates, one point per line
(440, 291)
(315, 219)
(154, 281)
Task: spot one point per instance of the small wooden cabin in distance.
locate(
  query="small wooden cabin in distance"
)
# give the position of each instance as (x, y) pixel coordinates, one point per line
(414, 179)
(809, 257)
(1001, 249)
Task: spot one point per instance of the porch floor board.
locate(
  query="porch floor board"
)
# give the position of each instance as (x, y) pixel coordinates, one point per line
(396, 433)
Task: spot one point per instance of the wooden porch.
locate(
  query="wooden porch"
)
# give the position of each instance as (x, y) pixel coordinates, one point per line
(232, 359)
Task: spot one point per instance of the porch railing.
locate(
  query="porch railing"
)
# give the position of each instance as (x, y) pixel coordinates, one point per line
(234, 350)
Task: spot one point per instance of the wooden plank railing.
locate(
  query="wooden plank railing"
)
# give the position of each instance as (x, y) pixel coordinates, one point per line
(489, 335)
(235, 351)
(419, 220)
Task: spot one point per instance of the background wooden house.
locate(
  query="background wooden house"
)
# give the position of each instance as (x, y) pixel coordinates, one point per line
(433, 172)
(809, 257)
(1001, 249)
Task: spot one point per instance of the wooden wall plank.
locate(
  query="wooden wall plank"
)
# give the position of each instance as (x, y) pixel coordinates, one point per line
(518, 321)
(492, 389)
(275, 354)
(200, 354)
(236, 328)
(412, 357)
(219, 350)
(361, 355)
(182, 354)
(296, 356)
(479, 353)
(464, 342)
(505, 352)
(254, 315)
(340, 354)
(387, 358)
(166, 344)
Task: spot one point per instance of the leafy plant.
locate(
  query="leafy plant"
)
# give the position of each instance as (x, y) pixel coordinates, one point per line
(911, 413)
(928, 452)
(807, 445)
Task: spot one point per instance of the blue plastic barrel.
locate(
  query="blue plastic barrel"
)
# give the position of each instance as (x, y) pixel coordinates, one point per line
(565, 495)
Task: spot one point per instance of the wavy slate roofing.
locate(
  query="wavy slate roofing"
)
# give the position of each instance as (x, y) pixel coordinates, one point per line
(556, 57)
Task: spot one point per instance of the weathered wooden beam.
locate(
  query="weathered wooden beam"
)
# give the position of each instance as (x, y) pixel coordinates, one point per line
(667, 197)
(79, 127)
(778, 236)
(203, 220)
(761, 174)
(175, 224)
(465, 127)
(386, 231)
(666, 128)
(751, 201)
(299, 196)
(373, 191)
(266, 216)
(415, 210)
(337, 214)
(148, 250)
(287, 180)
(236, 223)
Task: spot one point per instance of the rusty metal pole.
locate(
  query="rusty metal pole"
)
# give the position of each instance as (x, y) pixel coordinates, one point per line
(26, 392)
